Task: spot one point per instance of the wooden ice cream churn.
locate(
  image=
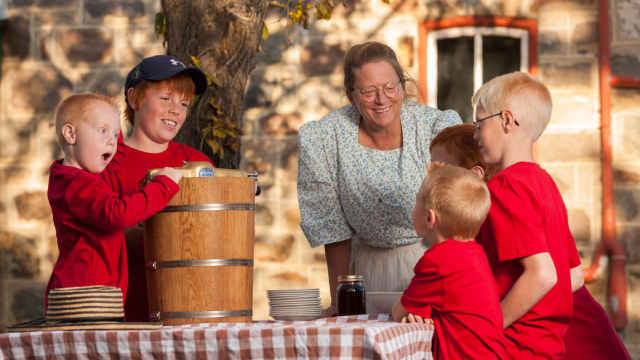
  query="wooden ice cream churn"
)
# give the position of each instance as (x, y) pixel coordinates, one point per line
(199, 249)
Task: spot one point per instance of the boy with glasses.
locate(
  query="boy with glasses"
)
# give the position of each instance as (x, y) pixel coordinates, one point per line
(526, 235)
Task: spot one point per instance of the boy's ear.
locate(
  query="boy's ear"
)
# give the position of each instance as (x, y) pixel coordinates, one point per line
(431, 218)
(69, 133)
(131, 103)
(508, 121)
(479, 171)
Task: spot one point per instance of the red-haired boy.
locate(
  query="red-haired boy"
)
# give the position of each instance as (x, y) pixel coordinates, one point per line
(88, 215)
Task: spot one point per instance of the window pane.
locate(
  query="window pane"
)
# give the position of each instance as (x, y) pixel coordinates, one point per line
(500, 55)
(455, 76)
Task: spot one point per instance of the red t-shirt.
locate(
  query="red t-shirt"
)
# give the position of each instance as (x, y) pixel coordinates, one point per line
(126, 182)
(528, 217)
(453, 285)
(591, 335)
(90, 217)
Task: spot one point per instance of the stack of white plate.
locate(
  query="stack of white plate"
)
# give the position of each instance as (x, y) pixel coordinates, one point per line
(290, 305)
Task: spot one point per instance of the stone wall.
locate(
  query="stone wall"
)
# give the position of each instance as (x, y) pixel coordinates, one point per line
(298, 79)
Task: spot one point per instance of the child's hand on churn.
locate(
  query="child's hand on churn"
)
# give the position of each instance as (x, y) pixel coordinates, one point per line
(172, 174)
(412, 318)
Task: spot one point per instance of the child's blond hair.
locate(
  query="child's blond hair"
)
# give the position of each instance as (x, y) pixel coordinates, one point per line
(180, 83)
(73, 110)
(458, 197)
(525, 96)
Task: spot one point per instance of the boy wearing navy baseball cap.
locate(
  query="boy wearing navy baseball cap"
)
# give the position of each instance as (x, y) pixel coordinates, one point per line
(159, 92)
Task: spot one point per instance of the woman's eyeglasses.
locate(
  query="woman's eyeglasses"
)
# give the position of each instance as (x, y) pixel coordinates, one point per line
(477, 125)
(390, 90)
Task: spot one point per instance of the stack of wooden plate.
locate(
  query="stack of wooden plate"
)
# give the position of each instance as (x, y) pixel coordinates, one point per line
(291, 305)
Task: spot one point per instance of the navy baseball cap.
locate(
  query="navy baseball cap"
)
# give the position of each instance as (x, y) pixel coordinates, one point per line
(162, 67)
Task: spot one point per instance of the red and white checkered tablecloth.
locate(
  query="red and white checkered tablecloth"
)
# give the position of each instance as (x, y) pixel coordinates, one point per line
(347, 337)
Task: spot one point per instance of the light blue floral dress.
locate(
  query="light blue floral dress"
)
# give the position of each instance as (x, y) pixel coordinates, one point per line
(346, 189)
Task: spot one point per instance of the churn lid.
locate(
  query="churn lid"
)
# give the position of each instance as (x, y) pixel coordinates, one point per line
(350, 278)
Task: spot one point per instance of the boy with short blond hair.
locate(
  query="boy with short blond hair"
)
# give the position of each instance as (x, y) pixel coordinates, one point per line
(88, 215)
(452, 282)
(526, 235)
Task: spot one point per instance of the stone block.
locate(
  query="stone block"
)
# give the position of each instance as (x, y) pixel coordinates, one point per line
(285, 277)
(275, 248)
(630, 238)
(25, 301)
(16, 38)
(628, 138)
(32, 206)
(578, 107)
(129, 56)
(566, 73)
(627, 204)
(261, 155)
(320, 58)
(44, 4)
(260, 90)
(16, 141)
(288, 169)
(280, 124)
(19, 255)
(553, 19)
(565, 147)
(289, 190)
(584, 34)
(86, 45)
(625, 64)
(280, 39)
(38, 90)
(108, 82)
(56, 17)
(627, 13)
(564, 177)
(265, 214)
(260, 306)
(584, 184)
(117, 12)
(553, 42)
(322, 95)
(570, 5)
(580, 226)
(626, 176)
(291, 216)
(625, 99)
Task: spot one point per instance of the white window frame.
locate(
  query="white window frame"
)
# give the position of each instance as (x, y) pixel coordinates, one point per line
(477, 33)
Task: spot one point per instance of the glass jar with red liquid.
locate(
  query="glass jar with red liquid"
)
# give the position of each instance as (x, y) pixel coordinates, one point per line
(351, 295)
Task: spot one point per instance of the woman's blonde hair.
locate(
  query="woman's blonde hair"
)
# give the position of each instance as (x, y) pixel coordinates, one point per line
(458, 197)
(73, 110)
(370, 52)
(525, 96)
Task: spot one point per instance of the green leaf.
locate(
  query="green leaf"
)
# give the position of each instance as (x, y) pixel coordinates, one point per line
(219, 134)
(160, 28)
(197, 62)
(214, 145)
(231, 133)
(213, 79)
(195, 99)
(265, 31)
(386, 1)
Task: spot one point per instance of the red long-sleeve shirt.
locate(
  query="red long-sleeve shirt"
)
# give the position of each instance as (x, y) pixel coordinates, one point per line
(90, 217)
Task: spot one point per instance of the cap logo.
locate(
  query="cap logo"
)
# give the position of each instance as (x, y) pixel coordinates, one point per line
(176, 62)
(136, 73)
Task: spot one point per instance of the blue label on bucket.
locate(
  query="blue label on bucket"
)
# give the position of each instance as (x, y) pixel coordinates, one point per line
(206, 172)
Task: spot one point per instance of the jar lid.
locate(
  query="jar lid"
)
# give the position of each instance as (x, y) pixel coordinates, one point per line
(350, 278)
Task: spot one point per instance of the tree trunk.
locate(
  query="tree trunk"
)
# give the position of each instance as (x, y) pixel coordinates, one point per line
(224, 35)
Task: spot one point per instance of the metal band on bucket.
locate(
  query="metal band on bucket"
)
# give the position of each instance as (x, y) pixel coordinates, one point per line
(155, 265)
(208, 207)
(157, 315)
